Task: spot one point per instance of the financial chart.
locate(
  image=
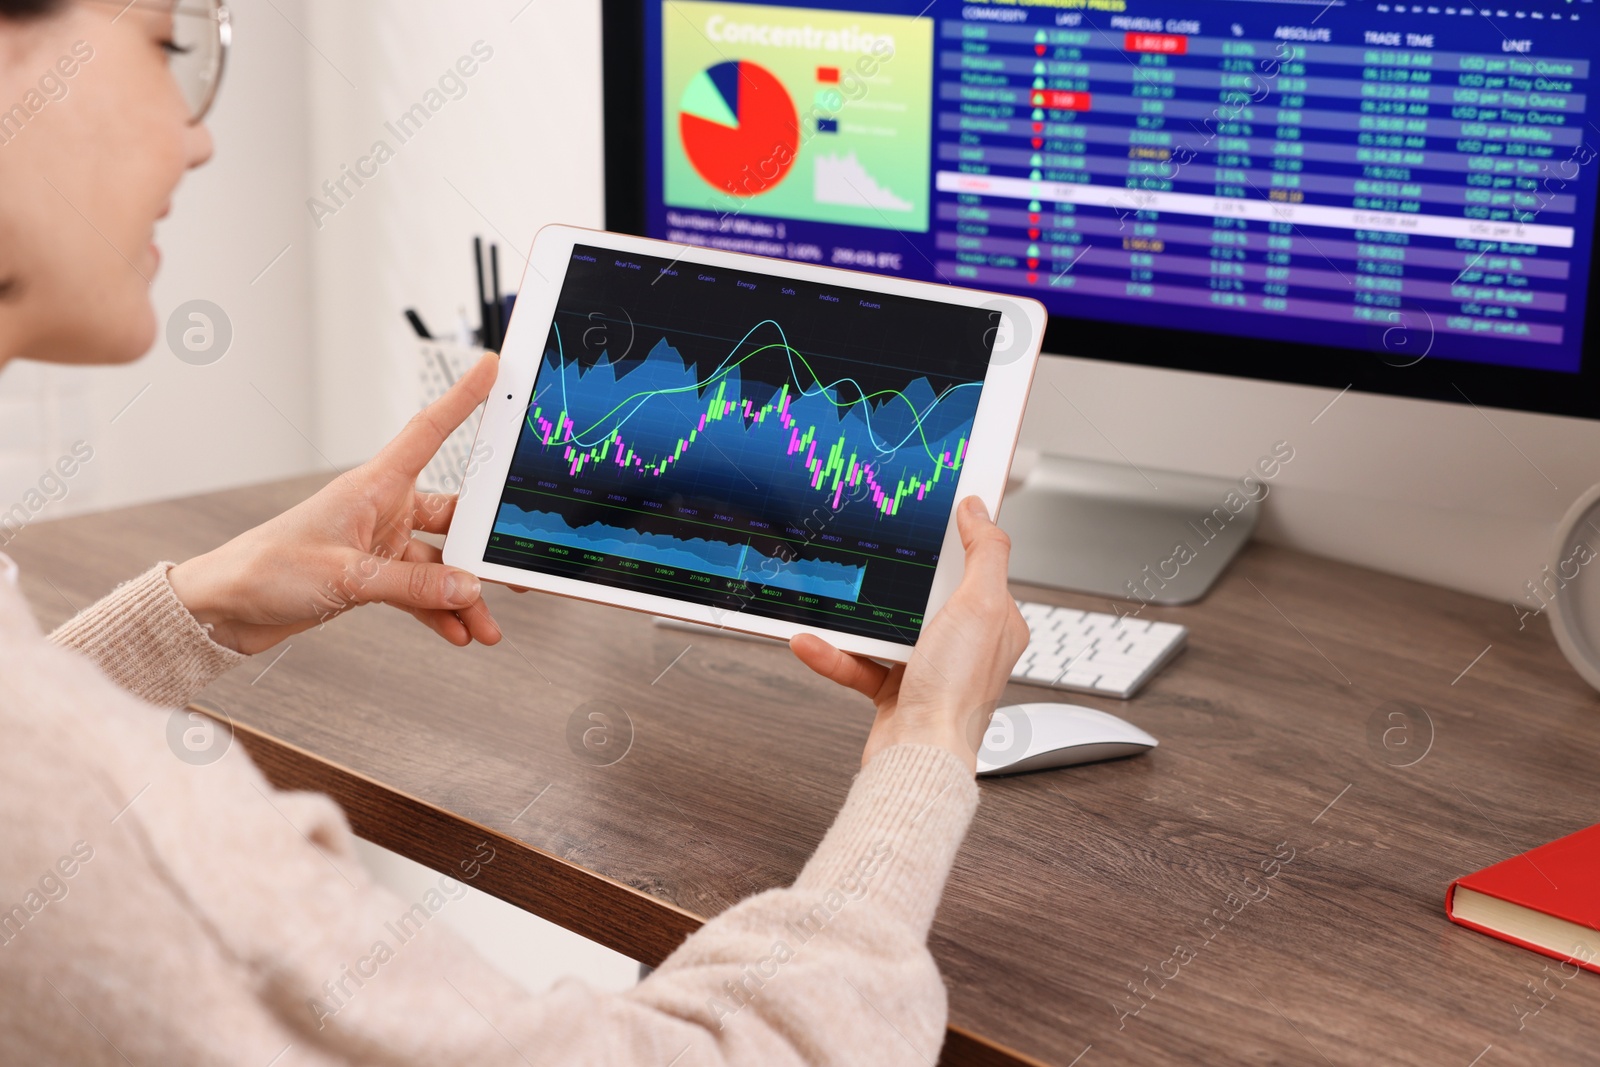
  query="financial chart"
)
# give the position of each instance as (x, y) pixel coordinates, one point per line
(733, 112)
(1357, 176)
(768, 116)
(752, 443)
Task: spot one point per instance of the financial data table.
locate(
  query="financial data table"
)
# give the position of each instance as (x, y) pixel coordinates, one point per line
(1391, 184)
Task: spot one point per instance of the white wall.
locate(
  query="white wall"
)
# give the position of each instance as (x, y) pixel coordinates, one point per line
(520, 149)
(195, 428)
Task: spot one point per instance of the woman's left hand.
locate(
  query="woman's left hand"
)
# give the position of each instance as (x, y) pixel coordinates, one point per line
(350, 544)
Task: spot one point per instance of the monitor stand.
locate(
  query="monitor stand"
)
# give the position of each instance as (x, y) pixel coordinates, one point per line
(1158, 537)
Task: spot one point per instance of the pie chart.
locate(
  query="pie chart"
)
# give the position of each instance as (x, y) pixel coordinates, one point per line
(739, 127)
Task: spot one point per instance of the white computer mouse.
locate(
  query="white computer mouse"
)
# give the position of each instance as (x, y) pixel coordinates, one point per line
(1035, 737)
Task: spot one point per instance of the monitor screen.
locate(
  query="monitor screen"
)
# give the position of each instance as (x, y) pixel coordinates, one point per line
(1395, 196)
(752, 443)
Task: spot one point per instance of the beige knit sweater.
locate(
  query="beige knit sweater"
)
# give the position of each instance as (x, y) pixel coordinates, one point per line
(156, 912)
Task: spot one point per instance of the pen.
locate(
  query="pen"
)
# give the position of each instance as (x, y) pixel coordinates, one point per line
(416, 324)
(484, 337)
(507, 304)
(499, 303)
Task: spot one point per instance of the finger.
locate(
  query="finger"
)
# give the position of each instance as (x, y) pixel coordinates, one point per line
(988, 547)
(480, 623)
(445, 624)
(422, 552)
(420, 440)
(410, 582)
(472, 621)
(433, 512)
(448, 625)
(853, 672)
(513, 588)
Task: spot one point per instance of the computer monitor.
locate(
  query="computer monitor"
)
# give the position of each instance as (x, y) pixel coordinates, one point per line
(1398, 198)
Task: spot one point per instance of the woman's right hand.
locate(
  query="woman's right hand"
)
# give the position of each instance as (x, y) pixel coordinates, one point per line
(947, 693)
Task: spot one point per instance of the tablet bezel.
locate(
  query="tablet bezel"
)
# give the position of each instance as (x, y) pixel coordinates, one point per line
(990, 448)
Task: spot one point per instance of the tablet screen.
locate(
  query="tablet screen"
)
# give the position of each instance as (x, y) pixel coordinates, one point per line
(752, 443)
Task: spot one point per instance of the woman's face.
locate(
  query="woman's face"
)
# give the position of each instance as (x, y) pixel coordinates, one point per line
(88, 163)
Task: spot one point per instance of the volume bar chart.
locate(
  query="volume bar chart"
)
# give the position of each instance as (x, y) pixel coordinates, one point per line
(739, 563)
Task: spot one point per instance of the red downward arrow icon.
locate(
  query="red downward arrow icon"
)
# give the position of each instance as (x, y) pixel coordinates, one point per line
(1032, 277)
(1033, 234)
(1032, 263)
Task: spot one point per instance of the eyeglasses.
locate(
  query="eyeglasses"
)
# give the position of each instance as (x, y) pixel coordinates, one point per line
(202, 33)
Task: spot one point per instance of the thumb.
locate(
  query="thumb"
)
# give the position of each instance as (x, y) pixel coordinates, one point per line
(406, 584)
(987, 546)
(853, 672)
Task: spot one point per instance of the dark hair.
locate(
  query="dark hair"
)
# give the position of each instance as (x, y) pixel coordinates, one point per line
(27, 9)
(16, 11)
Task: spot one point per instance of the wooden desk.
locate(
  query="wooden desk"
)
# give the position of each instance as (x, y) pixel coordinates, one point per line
(1074, 886)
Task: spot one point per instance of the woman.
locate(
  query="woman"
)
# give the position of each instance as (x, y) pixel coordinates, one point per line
(155, 912)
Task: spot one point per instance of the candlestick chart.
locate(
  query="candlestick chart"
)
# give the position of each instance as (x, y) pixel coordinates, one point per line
(770, 445)
(896, 449)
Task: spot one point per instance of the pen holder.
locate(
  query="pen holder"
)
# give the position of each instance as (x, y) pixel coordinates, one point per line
(440, 365)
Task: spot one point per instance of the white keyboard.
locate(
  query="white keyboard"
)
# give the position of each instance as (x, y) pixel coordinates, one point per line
(1088, 652)
(1084, 651)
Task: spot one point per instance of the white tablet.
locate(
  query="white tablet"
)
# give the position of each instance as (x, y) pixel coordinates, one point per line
(762, 445)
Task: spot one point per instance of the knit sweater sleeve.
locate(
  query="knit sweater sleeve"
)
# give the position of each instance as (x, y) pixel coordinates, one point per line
(835, 968)
(146, 641)
(198, 915)
(832, 970)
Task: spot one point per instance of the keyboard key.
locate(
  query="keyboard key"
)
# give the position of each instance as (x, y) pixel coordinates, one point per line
(1092, 652)
(1117, 678)
(1045, 673)
(1081, 679)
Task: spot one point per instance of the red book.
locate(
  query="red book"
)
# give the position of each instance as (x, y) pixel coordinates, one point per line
(1547, 899)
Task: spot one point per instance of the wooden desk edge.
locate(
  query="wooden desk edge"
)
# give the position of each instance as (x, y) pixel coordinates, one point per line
(613, 913)
(643, 927)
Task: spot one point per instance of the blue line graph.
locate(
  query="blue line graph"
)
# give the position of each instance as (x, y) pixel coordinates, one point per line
(586, 438)
(775, 451)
